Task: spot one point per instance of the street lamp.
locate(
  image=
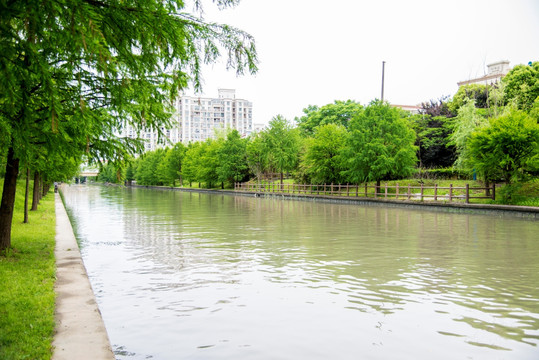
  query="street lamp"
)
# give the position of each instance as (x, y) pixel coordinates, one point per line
(383, 68)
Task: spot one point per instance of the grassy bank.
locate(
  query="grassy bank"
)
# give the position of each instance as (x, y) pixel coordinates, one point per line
(27, 275)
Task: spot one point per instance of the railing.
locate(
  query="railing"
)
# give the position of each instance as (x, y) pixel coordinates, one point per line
(437, 193)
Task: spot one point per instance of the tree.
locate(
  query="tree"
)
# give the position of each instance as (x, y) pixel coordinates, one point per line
(208, 161)
(108, 173)
(190, 162)
(433, 140)
(323, 161)
(255, 152)
(130, 172)
(467, 121)
(439, 107)
(432, 127)
(232, 158)
(477, 92)
(147, 172)
(521, 85)
(340, 113)
(74, 71)
(508, 147)
(172, 165)
(281, 145)
(380, 145)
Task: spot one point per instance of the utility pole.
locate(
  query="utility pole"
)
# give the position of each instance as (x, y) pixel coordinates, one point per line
(383, 68)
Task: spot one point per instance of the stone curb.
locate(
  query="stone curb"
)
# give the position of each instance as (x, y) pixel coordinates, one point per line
(80, 331)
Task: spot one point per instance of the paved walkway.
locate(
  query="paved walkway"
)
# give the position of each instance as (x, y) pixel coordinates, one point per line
(80, 331)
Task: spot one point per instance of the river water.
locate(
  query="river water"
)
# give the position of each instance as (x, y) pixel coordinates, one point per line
(196, 276)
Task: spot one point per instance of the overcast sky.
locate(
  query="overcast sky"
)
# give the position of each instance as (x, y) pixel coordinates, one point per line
(318, 51)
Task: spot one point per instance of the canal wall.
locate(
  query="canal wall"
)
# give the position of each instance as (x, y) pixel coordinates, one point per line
(80, 332)
(529, 212)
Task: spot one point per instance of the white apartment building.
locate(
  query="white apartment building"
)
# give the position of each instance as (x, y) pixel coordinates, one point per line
(197, 119)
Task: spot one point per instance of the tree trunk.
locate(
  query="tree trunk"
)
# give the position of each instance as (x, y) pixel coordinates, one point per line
(26, 192)
(41, 186)
(46, 186)
(377, 189)
(36, 192)
(8, 199)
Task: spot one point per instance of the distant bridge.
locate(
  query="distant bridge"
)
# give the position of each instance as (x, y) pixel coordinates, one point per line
(88, 173)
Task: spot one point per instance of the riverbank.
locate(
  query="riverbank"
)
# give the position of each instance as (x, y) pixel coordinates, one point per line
(80, 332)
(45, 296)
(27, 276)
(512, 210)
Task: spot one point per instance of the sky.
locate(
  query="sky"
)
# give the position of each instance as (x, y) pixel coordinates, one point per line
(313, 52)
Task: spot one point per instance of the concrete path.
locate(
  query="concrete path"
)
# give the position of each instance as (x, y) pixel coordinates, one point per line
(80, 331)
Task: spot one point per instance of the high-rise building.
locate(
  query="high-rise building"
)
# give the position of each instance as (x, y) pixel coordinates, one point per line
(197, 119)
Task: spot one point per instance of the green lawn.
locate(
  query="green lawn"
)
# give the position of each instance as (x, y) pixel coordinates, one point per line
(27, 276)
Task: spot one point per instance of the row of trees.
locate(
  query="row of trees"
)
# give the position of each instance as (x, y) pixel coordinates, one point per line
(74, 72)
(488, 130)
(377, 144)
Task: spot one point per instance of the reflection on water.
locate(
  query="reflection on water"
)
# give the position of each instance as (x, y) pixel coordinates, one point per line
(197, 276)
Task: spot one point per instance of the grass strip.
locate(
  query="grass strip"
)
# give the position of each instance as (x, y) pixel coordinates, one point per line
(27, 276)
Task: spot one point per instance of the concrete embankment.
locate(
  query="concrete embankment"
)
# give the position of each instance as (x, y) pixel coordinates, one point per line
(80, 331)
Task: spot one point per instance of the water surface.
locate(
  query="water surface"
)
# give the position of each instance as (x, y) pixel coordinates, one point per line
(196, 276)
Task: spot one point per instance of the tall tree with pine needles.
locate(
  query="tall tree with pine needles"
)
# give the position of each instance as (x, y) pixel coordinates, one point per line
(75, 72)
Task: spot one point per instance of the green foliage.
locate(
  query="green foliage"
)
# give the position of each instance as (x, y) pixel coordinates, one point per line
(130, 172)
(521, 86)
(510, 194)
(190, 163)
(232, 158)
(507, 148)
(281, 145)
(443, 174)
(76, 72)
(27, 276)
(322, 158)
(433, 142)
(340, 113)
(467, 121)
(208, 162)
(171, 168)
(256, 159)
(147, 169)
(108, 173)
(477, 92)
(380, 145)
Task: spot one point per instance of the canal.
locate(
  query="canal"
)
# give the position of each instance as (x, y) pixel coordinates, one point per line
(181, 275)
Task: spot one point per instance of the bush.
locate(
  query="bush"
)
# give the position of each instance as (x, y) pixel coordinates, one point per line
(443, 174)
(511, 194)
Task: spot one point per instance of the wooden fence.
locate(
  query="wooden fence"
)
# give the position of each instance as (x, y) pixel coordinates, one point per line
(407, 192)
